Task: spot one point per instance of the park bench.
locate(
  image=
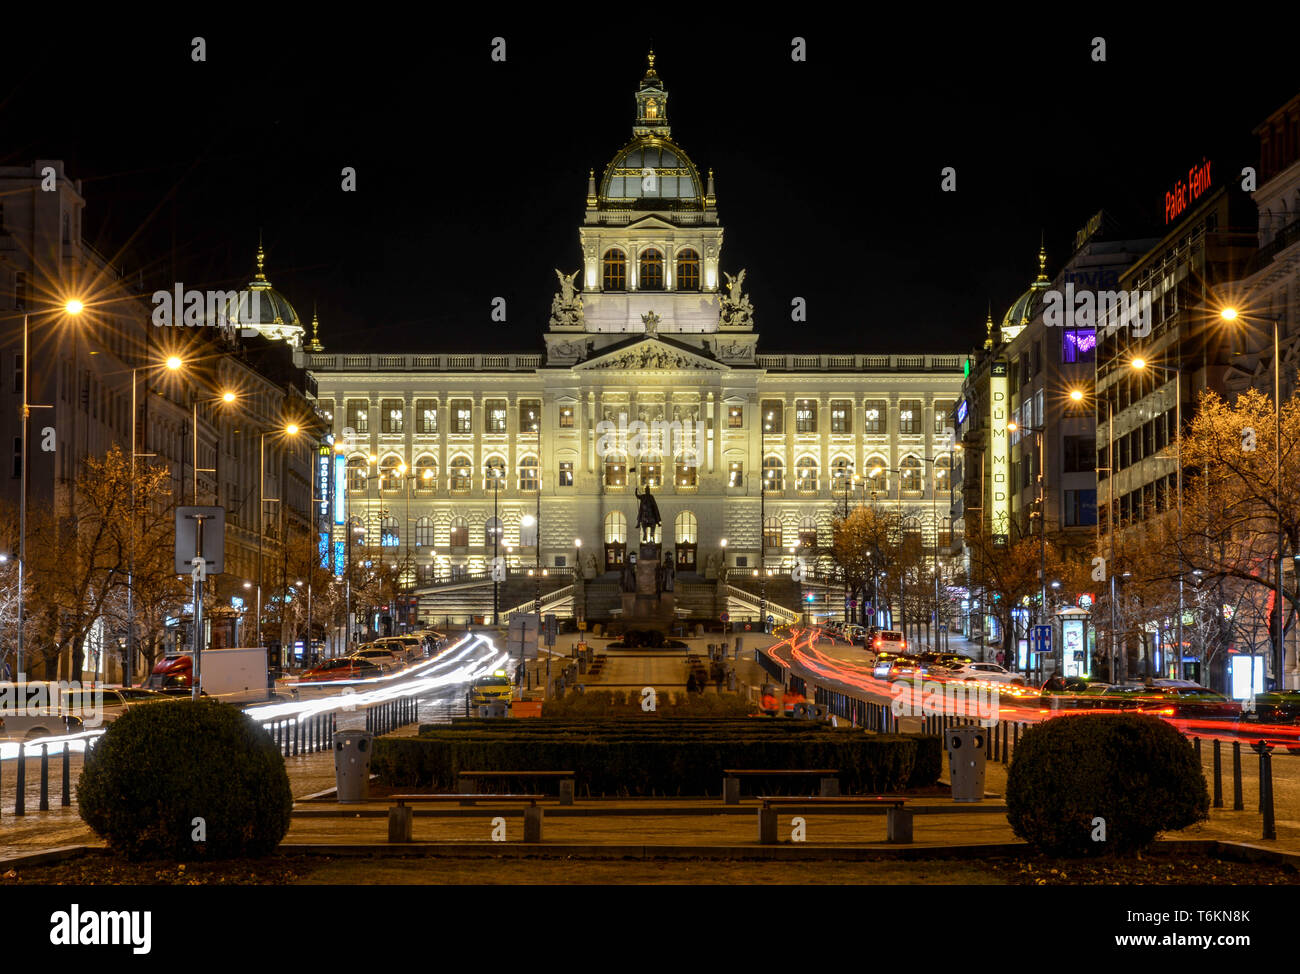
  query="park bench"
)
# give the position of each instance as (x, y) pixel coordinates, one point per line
(477, 777)
(898, 819)
(829, 784)
(401, 815)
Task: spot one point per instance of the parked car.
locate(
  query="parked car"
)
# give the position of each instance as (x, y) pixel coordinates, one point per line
(383, 656)
(343, 668)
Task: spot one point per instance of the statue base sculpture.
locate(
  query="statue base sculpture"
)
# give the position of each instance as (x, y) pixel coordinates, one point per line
(647, 608)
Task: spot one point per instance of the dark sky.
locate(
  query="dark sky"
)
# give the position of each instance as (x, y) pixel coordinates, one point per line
(472, 173)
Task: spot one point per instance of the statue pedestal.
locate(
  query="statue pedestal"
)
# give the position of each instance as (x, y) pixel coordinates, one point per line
(647, 608)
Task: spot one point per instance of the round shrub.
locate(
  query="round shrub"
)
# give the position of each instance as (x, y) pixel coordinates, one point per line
(1136, 773)
(160, 766)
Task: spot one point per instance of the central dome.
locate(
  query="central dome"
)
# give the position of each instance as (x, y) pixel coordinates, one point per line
(651, 167)
(264, 309)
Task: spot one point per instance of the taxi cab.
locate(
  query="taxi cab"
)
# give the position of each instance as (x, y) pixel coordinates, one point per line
(487, 689)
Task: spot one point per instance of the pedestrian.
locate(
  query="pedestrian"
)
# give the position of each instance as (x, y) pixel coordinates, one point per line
(8, 672)
(691, 685)
(1001, 658)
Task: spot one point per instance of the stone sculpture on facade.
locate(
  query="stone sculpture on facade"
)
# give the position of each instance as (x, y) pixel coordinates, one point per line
(737, 312)
(566, 306)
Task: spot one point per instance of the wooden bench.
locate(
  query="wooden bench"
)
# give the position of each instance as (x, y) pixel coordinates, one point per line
(565, 778)
(830, 785)
(401, 815)
(898, 819)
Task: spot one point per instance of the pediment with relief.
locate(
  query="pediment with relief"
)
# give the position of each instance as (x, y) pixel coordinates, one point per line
(651, 355)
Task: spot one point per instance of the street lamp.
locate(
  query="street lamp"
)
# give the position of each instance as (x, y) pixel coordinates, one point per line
(290, 430)
(1141, 364)
(1232, 314)
(496, 473)
(73, 307)
(1077, 395)
(762, 577)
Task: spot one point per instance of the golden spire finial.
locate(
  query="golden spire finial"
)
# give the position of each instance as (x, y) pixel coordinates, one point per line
(1042, 280)
(651, 59)
(314, 345)
(261, 257)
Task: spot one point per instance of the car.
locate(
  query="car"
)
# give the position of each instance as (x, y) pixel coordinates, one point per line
(973, 672)
(104, 704)
(1276, 707)
(898, 666)
(1184, 702)
(1080, 693)
(402, 647)
(486, 689)
(34, 713)
(343, 668)
(889, 641)
(380, 655)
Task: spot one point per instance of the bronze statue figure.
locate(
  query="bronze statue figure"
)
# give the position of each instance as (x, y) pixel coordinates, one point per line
(647, 518)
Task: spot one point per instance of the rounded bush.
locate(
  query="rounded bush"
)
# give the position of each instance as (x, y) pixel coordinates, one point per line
(1137, 774)
(161, 766)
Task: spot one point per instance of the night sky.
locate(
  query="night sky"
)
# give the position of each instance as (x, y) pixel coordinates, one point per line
(472, 174)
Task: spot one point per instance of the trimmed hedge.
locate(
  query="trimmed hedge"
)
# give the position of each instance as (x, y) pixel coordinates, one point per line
(159, 767)
(610, 703)
(1138, 773)
(668, 757)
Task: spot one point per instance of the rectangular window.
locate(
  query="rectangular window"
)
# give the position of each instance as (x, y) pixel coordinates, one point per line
(530, 415)
(358, 414)
(773, 417)
(1080, 508)
(942, 415)
(391, 415)
(841, 416)
(736, 474)
(462, 416)
(566, 417)
(909, 416)
(735, 417)
(566, 473)
(495, 410)
(875, 412)
(805, 416)
(1078, 454)
(1078, 345)
(18, 372)
(427, 412)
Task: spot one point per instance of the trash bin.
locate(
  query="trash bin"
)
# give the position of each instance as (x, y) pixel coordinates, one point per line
(352, 749)
(966, 762)
(740, 640)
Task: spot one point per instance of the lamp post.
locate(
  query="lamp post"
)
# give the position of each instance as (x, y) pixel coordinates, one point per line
(72, 307)
(1141, 364)
(496, 474)
(1232, 314)
(1077, 395)
(762, 575)
(290, 430)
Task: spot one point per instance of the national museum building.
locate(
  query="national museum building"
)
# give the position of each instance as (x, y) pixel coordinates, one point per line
(650, 378)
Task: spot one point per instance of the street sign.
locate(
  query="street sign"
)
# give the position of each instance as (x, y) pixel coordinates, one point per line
(853, 603)
(725, 617)
(771, 619)
(582, 625)
(552, 628)
(1042, 639)
(187, 539)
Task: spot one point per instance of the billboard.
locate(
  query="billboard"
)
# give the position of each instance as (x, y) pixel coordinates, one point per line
(999, 463)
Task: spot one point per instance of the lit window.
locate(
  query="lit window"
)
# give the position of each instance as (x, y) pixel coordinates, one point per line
(566, 473)
(773, 417)
(652, 271)
(615, 271)
(735, 417)
(688, 271)
(566, 417)
(735, 474)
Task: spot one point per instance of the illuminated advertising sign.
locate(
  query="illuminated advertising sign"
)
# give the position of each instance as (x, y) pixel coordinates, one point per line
(1184, 194)
(961, 412)
(340, 485)
(999, 464)
(340, 558)
(323, 484)
(325, 550)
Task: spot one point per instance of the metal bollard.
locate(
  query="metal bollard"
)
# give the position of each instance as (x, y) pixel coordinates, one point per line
(20, 800)
(1218, 775)
(1015, 735)
(1196, 744)
(1238, 804)
(1265, 752)
(66, 800)
(45, 778)
(294, 725)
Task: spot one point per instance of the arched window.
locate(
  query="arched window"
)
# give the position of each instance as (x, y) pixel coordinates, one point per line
(685, 528)
(461, 473)
(910, 474)
(492, 531)
(615, 528)
(652, 471)
(685, 471)
(388, 535)
(615, 271)
(771, 533)
(494, 473)
(424, 533)
(651, 276)
(773, 474)
(615, 470)
(841, 473)
(426, 474)
(808, 532)
(876, 474)
(528, 473)
(389, 476)
(943, 472)
(459, 533)
(688, 270)
(358, 529)
(805, 472)
(358, 471)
